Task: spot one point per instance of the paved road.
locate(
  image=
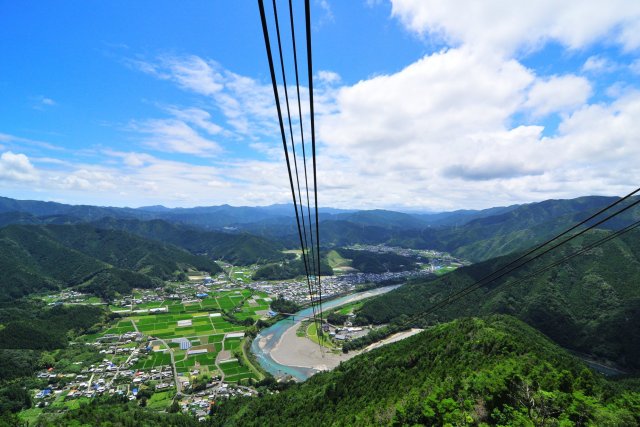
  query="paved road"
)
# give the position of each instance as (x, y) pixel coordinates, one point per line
(173, 365)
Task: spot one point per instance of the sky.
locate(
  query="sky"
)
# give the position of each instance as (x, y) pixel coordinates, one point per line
(429, 105)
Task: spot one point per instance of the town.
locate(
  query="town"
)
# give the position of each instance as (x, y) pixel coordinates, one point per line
(184, 346)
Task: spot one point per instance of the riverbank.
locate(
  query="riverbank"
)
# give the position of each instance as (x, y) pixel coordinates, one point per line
(301, 352)
(281, 352)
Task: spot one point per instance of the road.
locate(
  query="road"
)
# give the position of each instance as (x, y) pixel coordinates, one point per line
(173, 365)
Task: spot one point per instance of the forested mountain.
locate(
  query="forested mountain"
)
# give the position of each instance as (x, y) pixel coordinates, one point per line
(591, 304)
(471, 371)
(462, 216)
(480, 236)
(288, 270)
(38, 257)
(473, 235)
(370, 262)
(237, 248)
(518, 228)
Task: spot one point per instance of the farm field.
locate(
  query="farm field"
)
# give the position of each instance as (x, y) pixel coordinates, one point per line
(203, 324)
(234, 371)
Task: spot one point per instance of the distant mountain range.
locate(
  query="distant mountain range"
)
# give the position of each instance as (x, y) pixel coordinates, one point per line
(217, 217)
(248, 235)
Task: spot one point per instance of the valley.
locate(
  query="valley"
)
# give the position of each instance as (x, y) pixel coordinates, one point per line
(185, 328)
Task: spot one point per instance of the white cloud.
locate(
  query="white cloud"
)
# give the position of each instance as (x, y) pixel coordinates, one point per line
(438, 134)
(189, 72)
(175, 136)
(16, 167)
(246, 104)
(197, 117)
(427, 103)
(509, 25)
(327, 15)
(42, 102)
(328, 77)
(599, 64)
(558, 94)
(7, 138)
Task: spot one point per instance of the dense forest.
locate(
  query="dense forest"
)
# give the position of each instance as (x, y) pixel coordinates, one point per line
(30, 336)
(238, 248)
(372, 262)
(288, 269)
(37, 258)
(492, 371)
(591, 304)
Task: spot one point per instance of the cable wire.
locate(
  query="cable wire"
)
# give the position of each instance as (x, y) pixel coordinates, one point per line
(313, 142)
(265, 32)
(488, 279)
(293, 149)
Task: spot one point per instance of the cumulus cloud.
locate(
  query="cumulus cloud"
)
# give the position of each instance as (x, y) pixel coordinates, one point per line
(558, 94)
(509, 25)
(16, 167)
(430, 102)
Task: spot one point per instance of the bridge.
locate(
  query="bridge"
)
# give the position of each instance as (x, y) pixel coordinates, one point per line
(293, 318)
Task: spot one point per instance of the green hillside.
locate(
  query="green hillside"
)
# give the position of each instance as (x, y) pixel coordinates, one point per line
(468, 372)
(591, 304)
(239, 249)
(36, 257)
(288, 270)
(371, 262)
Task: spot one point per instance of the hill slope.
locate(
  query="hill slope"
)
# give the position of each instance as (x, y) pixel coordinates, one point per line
(37, 257)
(495, 370)
(237, 248)
(591, 304)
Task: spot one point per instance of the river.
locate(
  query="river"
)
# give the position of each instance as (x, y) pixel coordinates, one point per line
(267, 340)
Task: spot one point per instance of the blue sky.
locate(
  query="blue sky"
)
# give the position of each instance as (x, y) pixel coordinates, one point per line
(419, 105)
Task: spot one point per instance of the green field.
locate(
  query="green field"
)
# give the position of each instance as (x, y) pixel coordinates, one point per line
(153, 360)
(444, 270)
(336, 260)
(234, 371)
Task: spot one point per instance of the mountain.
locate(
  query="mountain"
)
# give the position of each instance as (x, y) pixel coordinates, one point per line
(519, 228)
(238, 248)
(462, 216)
(490, 371)
(382, 218)
(84, 212)
(473, 235)
(41, 257)
(591, 304)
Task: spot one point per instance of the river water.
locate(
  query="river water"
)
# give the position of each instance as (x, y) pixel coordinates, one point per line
(268, 338)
